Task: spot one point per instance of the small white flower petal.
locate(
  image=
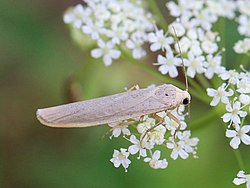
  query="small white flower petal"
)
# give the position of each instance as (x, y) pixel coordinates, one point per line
(126, 131)
(156, 155)
(246, 128)
(241, 174)
(226, 117)
(230, 133)
(133, 149)
(97, 53)
(242, 113)
(211, 92)
(183, 154)
(116, 132)
(174, 154)
(107, 60)
(239, 181)
(235, 142)
(245, 139)
(147, 159)
(115, 54)
(215, 101)
(143, 152)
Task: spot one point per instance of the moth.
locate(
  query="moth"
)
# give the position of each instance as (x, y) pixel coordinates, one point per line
(118, 107)
(115, 108)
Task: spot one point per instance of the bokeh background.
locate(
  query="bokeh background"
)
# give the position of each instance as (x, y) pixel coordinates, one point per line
(40, 66)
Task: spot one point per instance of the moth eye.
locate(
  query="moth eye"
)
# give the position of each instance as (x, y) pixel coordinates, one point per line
(185, 101)
(166, 94)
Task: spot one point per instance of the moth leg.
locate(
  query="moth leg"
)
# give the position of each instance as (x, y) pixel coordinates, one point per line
(135, 87)
(159, 118)
(106, 133)
(141, 118)
(178, 111)
(176, 120)
(160, 121)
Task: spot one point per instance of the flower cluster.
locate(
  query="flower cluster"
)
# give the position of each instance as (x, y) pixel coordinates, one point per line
(143, 141)
(243, 46)
(114, 25)
(121, 26)
(234, 94)
(197, 42)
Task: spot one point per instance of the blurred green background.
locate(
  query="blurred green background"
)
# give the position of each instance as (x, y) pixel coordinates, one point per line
(37, 60)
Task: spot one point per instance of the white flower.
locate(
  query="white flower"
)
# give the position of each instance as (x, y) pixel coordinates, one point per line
(172, 125)
(192, 33)
(232, 76)
(195, 65)
(168, 64)
(145, 125)
(135, 45)
(242, 178)
(205, 18)
(155, 136)
(219, 95)
(185, 43)
(223, 8)
(155, 163)
(121, 158)
(176, 29)
(101, 11)
(136, 147)
(118, 128)
(159, 41)
(93, 29)
(244, 85)
(76, 16)
(106, 51)
(244, 22)
(242, 46)
(195, 48)
(213, 65)
(189, 144)
(238, 135)
(177, 149)
(234, 113)
(117, 34)
(209, 47)
(175, 10)
(244, 99)
(244, 7)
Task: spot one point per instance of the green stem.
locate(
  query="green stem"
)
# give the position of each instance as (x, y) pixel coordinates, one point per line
(243, 59)
(157, 13)
(198, 123)
(203, 81)
(194, 84)
(216, 81)
(239, 159)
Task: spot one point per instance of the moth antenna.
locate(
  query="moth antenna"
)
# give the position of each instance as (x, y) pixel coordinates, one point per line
(183, 66)
(189, 113)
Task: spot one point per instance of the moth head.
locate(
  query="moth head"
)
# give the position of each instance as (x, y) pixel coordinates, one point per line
(186, 98)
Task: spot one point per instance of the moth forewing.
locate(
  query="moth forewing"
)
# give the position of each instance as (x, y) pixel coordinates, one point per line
(112, 108)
